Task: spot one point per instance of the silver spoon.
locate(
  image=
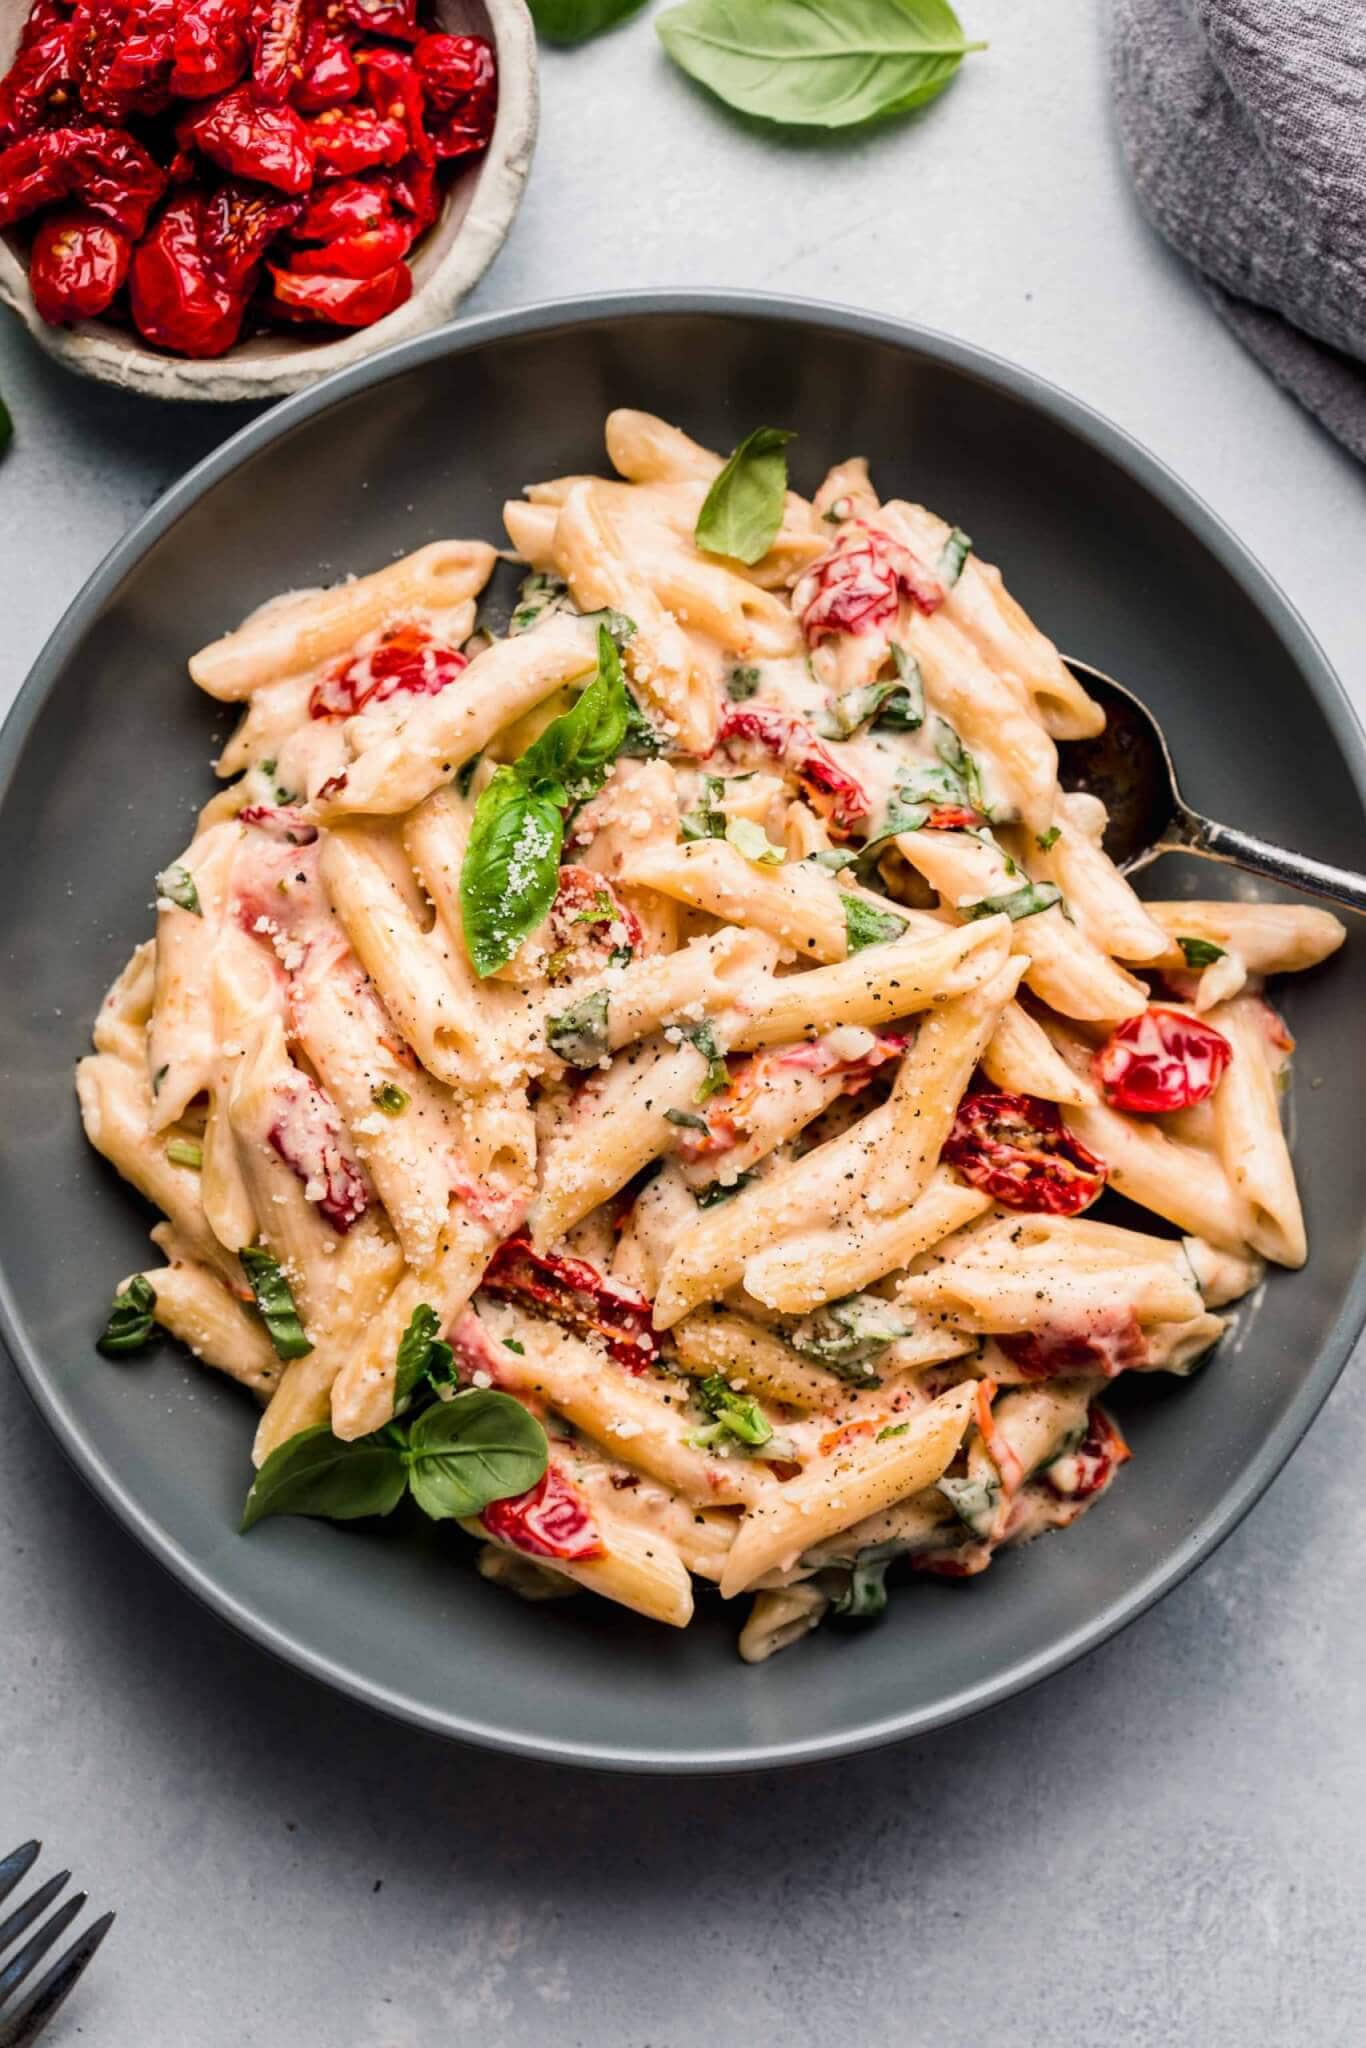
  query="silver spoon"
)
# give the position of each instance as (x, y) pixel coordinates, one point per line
(1129, 767)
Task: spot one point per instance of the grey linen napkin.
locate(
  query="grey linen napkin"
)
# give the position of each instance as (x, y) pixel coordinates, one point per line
(1244, 125)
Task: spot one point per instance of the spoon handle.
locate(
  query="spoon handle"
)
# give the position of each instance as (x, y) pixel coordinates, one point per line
(1277, 863)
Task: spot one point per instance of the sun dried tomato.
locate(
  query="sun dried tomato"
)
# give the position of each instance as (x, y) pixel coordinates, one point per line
(342, 301)
(346, 208)
(834, 792)
(276, 34)
(42, 79)
(136, 74)
(385, 18)
(102, 167)
(952, 818)
(364, 254)
(1019, 1150)
(307, 1134)
(406, 663)
(285, 822)
(240, 222)
(177, 298)
(413, 187)
(76, 266)
(1109, 1342)
(1161, 1061)
(1090, 1468)
(571, 1291)
(551, 1520)
(345, 140)
(588, 925)
(267, 143)
(857, 585)
(329, 75)
(210, 47)
(392, 85)
(460, 78)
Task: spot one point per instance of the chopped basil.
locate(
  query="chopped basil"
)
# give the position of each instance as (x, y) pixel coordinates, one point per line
(642, 742)
(864, 1596)
(956, 550)
(602, 911)
(686, 1119)
(959, 762)
(741, 684)
(717, 1077)
(734, 1416)
(707, 821)
(753, 842)
(847, 1337)
(720, 1191)
(422, 1355)
(540, 595)
(131, 1321)
(275, 1302)
(176, 885)
(158, 1077)
(832, 858)
(1024, 902)
(892, 1429)
(579, 1034)
(1049, 839)
(185, 1152)
(743, 510)
(390, 1099)
(1200, 952)
(974, 1501)
(512, 1344)
(464, 774)
(866, 925)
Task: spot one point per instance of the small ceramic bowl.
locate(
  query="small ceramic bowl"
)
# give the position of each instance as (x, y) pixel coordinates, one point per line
(478, 211)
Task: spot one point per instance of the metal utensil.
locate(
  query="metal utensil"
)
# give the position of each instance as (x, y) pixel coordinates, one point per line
(1129, 767)
(22, 2023)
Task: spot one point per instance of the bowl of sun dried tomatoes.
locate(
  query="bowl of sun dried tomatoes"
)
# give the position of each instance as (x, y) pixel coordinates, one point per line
(226, 199)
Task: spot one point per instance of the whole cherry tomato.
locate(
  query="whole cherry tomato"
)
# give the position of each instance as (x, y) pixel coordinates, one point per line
(77, 263)
(178, 300)
(102, 167)
(363, 254)
(551, 1520)
(1161, 1061)
(1019, 1150)
(1109, 1343)
(345, 140)
(210, 52)
(342, 301)
(266, 143)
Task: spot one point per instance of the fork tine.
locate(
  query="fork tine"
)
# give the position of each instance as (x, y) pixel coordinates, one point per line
(16, 1864)
(25, 1915)
(24, 2028)
(37, 1946)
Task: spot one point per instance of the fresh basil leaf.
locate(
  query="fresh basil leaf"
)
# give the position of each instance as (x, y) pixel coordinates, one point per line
(618, 625)
(1200, 952)
(913, 683)
(316, 1473)
(1027, 901)
(720, 1191)
(391, 1100)
(959, 762)
(621, 956)
(974, 1501)
(686, 1119)
(577, 749)
(422, 1355)
(847, 1337)
(743, 510)
(131, 1322)
(574, 21)
(753, 842)
(806, 63)
(742, 684)
(511, 869)
(480, 1447)
(642, 742)
(1045, 841)
(707, 821)
(864, 1596)
(866, 925)
(955, 552)
(717, 1076)
(176, 884)
(185, 1152)
(578, 1035)
(736, 1416)
(275, 1302)
(885, 706)
(892, 1429)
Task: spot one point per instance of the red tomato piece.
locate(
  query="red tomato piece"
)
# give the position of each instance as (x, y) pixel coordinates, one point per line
(454, 69)
(1018, 1149)
(240, 223)
(210, 48)
(178, 300)
(342, 301)
(330, 75)
(1108, 1343)
(345, 140)
(1161, 1061)
(277, 32)
(406, 663)
(307, 1134)
(587, 924)
(346, 208)
(125, 50)
(834, 792)
(392, 85)
(41, 81)
(858, 584)
(952, 818)
(102, 167)
(77, 263)
(285, 822)
(552, 1520)
(572, 1292)
(363, 254)
(414, 188)
(266, 143)
(1091, 1467)
(384, 18)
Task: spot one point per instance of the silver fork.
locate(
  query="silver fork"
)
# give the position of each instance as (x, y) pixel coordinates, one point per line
(22, 2022)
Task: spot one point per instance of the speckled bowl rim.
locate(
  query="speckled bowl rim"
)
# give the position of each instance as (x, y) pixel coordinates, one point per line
(1246, 1486)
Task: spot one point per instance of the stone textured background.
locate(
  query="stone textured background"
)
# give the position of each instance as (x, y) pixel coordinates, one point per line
(1161, 1846)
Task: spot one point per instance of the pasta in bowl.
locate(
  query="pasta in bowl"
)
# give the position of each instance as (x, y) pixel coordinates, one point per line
(633, 1076)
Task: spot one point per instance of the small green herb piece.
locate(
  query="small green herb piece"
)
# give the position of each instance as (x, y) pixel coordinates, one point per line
(720, 1191)
(540, 595)
(1200, 952)
(158, 1077)
(686, 1119)
(736, 1416)
(176, 885)
(864, 1598)
(959, 762)
(602, 910)
(743, 510)
(885, 706)
(512, 1344)
(620, 956)
(1027, 901)
(316, 1473)
(848, 1337)
(131, 1321)
(832, 858)
(275, 1302)
(642, 742)
(185, 1152)
(753, 842)
(391, 1100)
(707, 821)
(806, 63)
(742, 684)
(422, 1355)
(974, 1501)
(956, 550)
(578, 1035)
(892, 1429)
(1045, 841)
(866, 925)
(717, 1077)
(464, 774)
(481, 1447)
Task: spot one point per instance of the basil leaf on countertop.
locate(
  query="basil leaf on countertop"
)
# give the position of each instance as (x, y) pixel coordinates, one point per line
(480, 1447)
(574, 21)
(275, 1302)
(808, 63)
(316, 1473)
(743, 510)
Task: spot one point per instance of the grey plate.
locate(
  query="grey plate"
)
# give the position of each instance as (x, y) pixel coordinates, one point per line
(106, 757)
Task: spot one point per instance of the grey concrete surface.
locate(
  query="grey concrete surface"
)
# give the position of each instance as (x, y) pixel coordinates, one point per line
(1160, 1847)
